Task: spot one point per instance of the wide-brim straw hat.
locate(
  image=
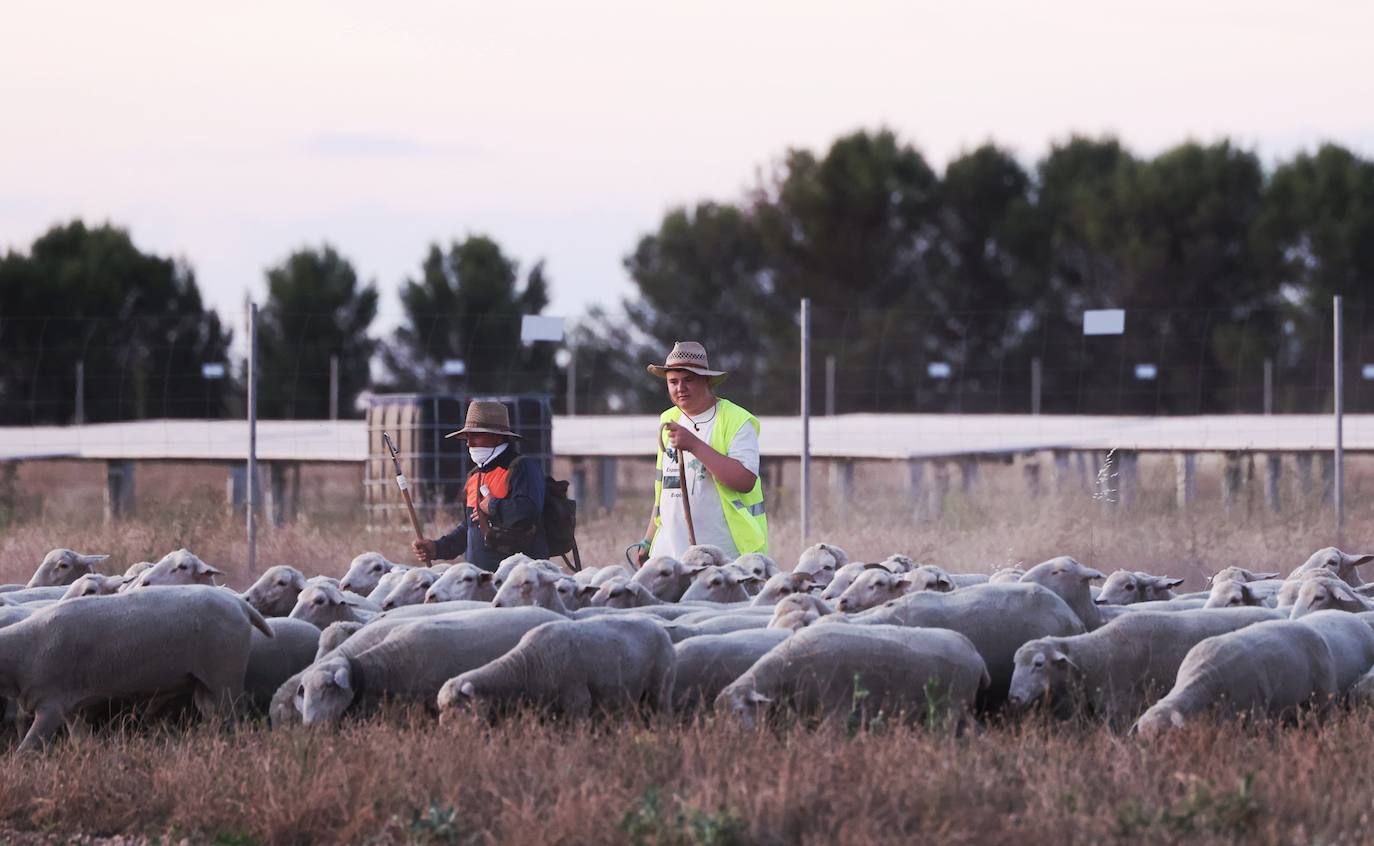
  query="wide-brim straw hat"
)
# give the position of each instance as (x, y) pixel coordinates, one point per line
(689, 356)
(486, 416)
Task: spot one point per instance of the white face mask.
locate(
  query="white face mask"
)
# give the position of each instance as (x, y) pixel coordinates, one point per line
(481, 455)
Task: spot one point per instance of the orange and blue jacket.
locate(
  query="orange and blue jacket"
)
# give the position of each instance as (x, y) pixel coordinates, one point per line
(517, 495)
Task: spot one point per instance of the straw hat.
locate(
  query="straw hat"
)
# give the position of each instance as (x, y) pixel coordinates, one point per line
(486, 416)
(689, 356)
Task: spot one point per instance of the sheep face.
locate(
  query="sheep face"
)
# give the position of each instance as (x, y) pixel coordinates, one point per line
(62, 567)
(1239, 574)
(870, 589)
(1126, 588)
(507, 566)
(1063, 575)
(781, 586)
(703, 555)
(274, 593)
(321, 605)
(1230, 593)
(1323, 594)
(325, 692)
(94, 584)
(928, 577)
(840, 582)
(411, 589)
(821, 561)
(743, 702)
(715, 584)
(462, 581)
(365, 571)
(1340, 563)
(1042, 674)
(573, 593)
(663, 576)
(615, 593)
(181, 567)
(529, 584)
(1160, 718)
(458, 696)
(757, 565)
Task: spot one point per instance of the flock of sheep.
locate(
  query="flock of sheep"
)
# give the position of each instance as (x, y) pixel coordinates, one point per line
(829, 639)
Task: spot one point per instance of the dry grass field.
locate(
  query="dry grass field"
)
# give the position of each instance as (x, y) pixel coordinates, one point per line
(406, 779)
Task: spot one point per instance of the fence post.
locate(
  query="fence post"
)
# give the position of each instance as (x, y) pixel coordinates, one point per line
(80, 392)
(1035, 385)
(805, 421)
(251, 482)
(1338, 481)
(334, 386)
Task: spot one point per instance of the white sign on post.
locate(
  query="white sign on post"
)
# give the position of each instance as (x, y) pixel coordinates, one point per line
(938, 370)
(1367, 371)
(213, 370)
(537, 327)
(1146, 372)
(1104, 321)
(455, 367)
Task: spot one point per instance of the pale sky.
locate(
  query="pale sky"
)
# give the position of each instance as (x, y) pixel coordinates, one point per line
(231, 134)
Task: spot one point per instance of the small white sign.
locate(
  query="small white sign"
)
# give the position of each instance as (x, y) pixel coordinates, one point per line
(214, 370)
(455, 367)
(1104, 321)
(537, 327)
(1145, 372)
(938, 370)
(1367, 371)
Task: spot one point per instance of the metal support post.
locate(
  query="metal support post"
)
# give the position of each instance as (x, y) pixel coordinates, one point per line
(805, 421)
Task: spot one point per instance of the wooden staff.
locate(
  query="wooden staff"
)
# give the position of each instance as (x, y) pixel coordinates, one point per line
(404, 486)
(682, 485)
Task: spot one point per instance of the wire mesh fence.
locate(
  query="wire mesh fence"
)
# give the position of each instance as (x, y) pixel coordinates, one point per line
(1166, 361)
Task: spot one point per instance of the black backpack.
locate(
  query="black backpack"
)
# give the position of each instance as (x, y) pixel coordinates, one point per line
(559, 520)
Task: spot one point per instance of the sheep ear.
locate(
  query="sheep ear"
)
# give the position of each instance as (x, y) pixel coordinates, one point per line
(945, 582)
(341, 679)
(484, 577)
(90, 560)
(1358, 560)
(1089, 574)
(758, 698)
(1060, 658)
(1168, 582)
(587, 590)
(213, 571)
(877, 566)
(1261, 576)
(804, 577)
(467, 689)
(1248, 596)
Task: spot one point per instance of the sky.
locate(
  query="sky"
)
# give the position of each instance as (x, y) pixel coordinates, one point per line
(232, 134)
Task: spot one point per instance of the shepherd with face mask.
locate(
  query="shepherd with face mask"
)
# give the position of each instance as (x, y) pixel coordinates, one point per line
(504, 496)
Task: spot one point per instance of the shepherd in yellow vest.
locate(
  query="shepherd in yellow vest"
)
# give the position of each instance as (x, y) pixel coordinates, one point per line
(720, 442)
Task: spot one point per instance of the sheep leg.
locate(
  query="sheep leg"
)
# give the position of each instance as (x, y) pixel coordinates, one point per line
(577, 703)
(46, 722)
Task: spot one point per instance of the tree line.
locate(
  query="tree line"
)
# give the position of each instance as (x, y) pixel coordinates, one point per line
(982, 269)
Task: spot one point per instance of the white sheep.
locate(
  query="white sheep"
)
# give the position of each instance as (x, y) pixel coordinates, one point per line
(128, 646)
(842, 579)
(411, 662)
(623, 593)
(998, 619)
(94, 584)
(1240, 574)
(275, 592)
(665, 577)
(462, 581)
(1071, 581)
(1127, 588)
(322, 604)
(715, 583)
(411, 588)
(1233, 593)
(1318, 594)
(758, 565)
(365, 571)
(782, 585)
(706, 664)
(1342, 564)
(1117, 671)
(836, 672)
(821, 561)
(180, 567)
(574, 667)
(531, 583)
(798, 611)
(1276, 668)
(61, 567)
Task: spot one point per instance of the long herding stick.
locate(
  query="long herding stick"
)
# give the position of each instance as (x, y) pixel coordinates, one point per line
(682, 485)
(405, 486)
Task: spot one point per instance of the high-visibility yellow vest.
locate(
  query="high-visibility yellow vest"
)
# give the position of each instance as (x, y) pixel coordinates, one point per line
(744, 513)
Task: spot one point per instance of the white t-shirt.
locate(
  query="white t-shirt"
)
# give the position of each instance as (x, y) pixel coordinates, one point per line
(708, 515)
